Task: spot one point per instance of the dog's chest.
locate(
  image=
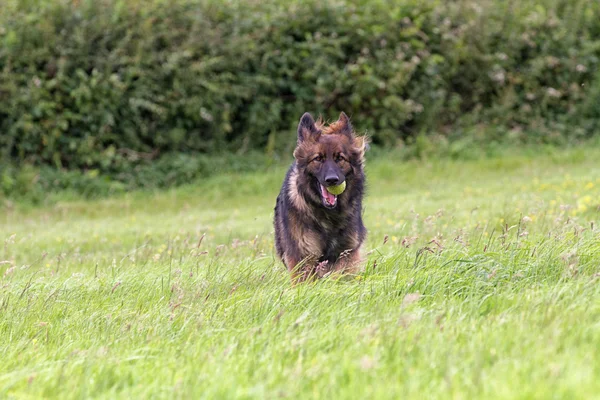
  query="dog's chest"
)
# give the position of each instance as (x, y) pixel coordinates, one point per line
(336, 242)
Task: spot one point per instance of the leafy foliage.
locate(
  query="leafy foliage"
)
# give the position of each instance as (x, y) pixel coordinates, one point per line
(108, 84)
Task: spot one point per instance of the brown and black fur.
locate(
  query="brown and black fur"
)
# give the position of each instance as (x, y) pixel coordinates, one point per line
(312, 237)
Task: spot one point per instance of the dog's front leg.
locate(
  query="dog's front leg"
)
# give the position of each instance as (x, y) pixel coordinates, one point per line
(348, 262)
(301, 270)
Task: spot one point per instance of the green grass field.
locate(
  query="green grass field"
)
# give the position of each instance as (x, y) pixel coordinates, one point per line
(482, 280)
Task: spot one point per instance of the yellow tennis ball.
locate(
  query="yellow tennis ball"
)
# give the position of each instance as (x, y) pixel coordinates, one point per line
(339, 189)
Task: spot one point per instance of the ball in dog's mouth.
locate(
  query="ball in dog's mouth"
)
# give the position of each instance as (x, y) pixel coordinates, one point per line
(337, 189)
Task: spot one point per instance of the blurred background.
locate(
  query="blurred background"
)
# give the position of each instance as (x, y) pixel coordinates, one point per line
(105, 96)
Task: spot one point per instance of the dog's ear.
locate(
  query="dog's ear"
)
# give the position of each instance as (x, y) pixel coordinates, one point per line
(307, 128)
(344, 126)
(360, 144)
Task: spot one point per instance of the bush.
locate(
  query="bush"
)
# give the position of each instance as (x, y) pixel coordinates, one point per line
(36, 184)
(107, 85)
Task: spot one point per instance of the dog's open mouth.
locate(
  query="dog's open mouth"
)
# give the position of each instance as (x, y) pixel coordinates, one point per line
(329, 200)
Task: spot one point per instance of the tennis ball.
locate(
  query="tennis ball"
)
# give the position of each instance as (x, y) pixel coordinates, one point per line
(339, 189)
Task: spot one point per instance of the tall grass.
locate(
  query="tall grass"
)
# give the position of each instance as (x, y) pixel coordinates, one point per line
(481, 281)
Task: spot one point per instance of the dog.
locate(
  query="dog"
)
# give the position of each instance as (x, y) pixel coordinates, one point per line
(318, 233)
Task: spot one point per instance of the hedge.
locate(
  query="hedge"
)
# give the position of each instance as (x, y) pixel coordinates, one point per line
(89, 84)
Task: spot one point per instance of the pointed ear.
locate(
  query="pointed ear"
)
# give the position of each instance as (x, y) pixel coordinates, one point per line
(360, 146)
(344, 125)
(307, 128)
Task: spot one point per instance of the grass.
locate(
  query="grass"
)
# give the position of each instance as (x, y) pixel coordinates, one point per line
(482, 280)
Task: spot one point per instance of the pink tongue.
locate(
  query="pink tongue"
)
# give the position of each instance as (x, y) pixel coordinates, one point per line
(330, 198)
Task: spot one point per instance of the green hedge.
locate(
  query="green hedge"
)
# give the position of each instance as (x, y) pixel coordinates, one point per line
(88, 84)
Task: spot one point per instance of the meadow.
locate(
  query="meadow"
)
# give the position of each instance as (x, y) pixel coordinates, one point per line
(481, 280)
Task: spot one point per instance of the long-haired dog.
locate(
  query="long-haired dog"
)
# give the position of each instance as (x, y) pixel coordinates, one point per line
(317, 232)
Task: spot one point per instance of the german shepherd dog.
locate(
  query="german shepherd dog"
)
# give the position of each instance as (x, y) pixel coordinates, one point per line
(316, 232)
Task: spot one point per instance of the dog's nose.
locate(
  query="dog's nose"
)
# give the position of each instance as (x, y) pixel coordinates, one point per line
(332, 180)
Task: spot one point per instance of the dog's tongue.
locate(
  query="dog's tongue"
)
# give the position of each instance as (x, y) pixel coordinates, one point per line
(330, 198)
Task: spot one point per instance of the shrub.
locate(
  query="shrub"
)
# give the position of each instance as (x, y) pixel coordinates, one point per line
(107, 85)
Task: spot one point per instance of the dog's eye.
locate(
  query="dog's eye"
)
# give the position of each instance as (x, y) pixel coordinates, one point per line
(339, 158)
(318, 158)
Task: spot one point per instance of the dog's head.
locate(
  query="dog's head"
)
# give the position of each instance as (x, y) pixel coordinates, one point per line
(329, 155)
